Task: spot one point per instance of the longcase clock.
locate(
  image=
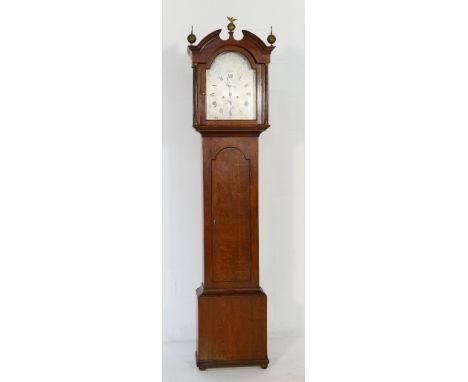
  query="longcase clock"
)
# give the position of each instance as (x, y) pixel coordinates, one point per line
(230, 101)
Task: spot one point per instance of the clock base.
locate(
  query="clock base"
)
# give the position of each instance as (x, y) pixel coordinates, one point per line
(203, 365)
(232, 328)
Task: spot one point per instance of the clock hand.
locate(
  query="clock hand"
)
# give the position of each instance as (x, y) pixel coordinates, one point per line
(228, 84)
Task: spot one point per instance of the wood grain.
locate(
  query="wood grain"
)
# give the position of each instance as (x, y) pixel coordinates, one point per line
(230, 174)
(232, 330)
(230, 201)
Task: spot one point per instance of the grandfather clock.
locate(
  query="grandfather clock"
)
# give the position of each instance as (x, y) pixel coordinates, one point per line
(230, 110)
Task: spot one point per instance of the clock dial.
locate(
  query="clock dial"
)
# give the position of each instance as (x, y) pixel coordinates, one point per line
(231, 88)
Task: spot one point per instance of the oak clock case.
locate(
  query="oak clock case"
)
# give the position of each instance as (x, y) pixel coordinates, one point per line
(230, 102)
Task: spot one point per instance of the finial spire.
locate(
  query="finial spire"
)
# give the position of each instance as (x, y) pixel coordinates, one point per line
(191, 38)
(271, 38)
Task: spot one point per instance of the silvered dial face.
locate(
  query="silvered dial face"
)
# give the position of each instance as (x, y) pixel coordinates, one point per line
(230, 88)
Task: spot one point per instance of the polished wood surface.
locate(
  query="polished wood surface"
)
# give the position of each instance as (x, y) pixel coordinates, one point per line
(232, 330)
(230, 182)
(231, 249)
(232, 307)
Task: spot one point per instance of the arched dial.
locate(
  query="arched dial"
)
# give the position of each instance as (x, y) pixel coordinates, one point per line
(230, 88)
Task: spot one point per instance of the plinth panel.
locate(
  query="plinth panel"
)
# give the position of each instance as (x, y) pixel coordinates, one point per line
(232, 330)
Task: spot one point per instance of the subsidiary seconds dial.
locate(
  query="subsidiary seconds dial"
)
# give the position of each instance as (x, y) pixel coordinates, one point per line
(230, 88)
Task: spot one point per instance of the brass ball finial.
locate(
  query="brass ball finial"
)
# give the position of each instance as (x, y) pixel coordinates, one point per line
(271, 38)
(191, 38)
(231, 25)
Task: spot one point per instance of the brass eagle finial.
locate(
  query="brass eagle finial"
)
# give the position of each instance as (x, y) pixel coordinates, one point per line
(231, 25)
